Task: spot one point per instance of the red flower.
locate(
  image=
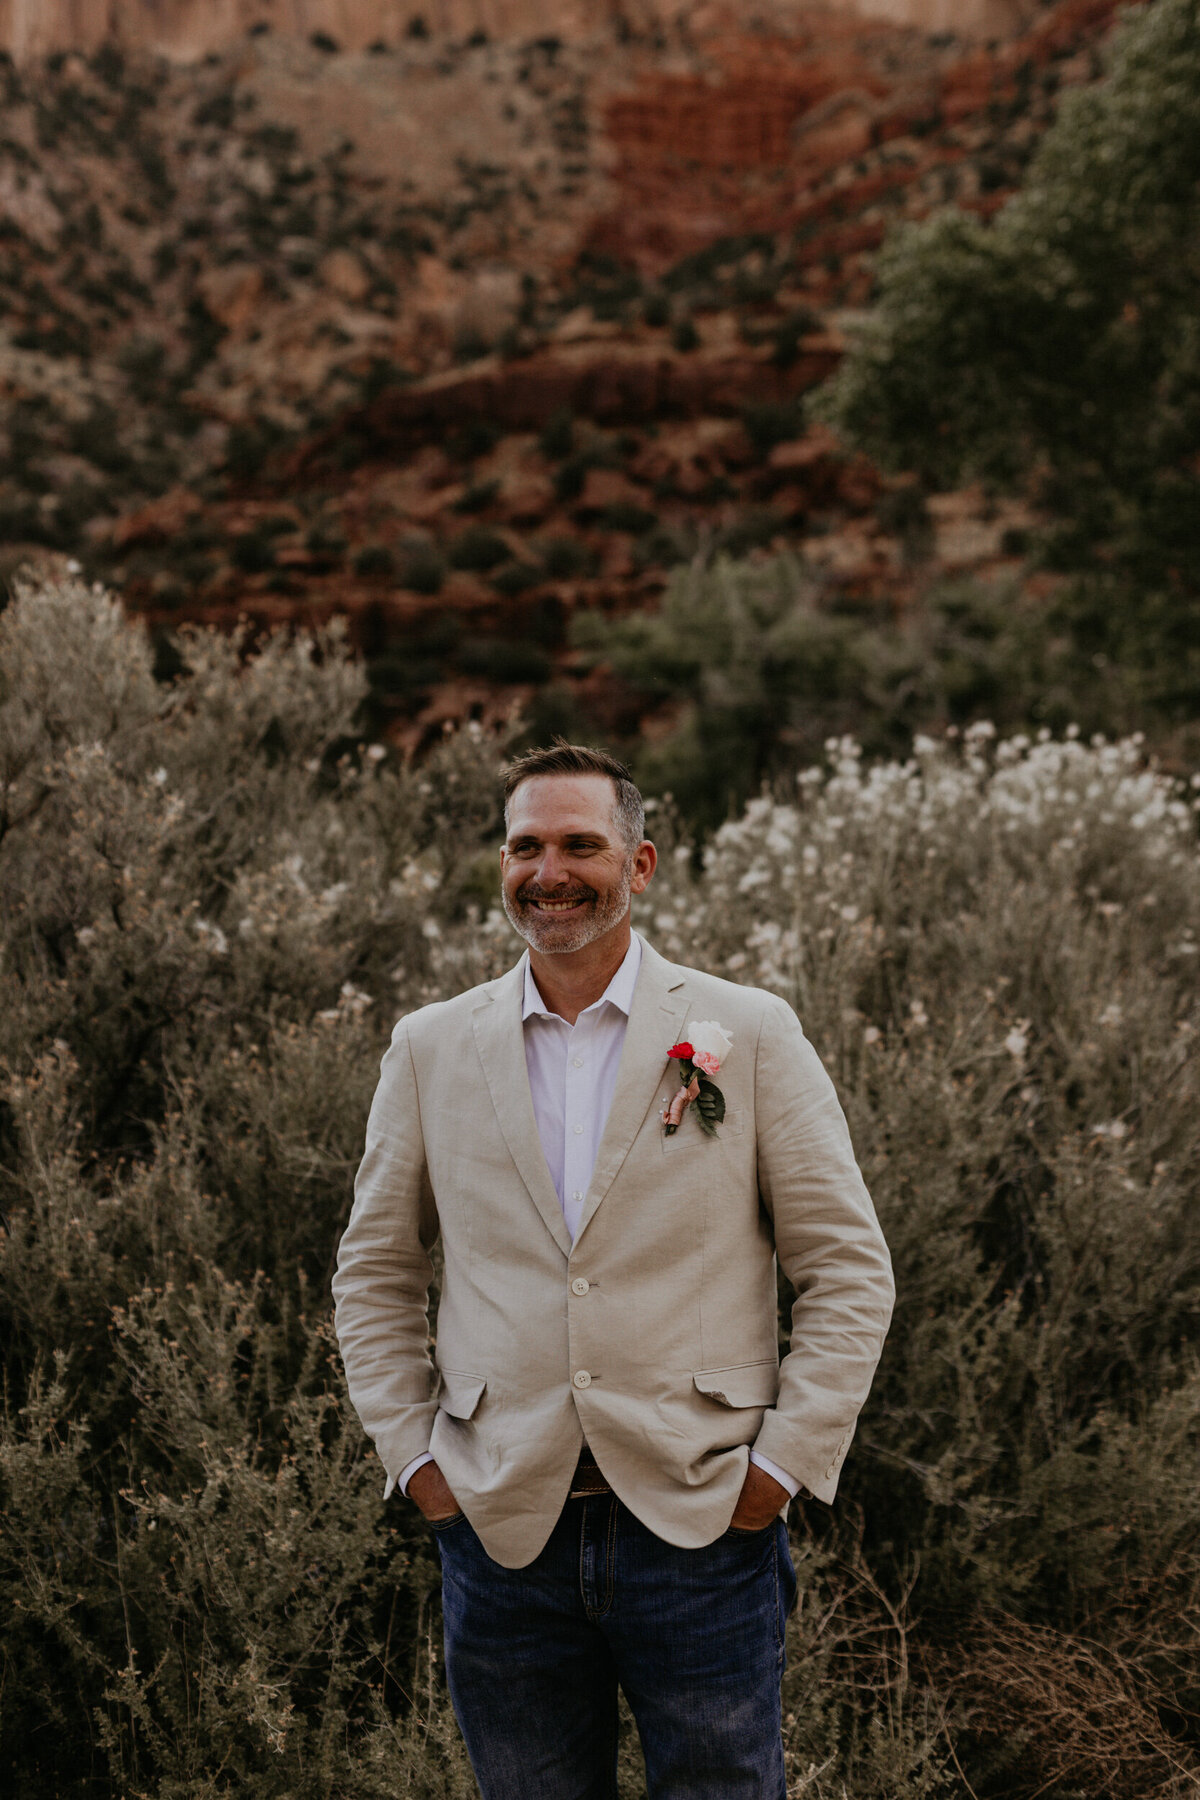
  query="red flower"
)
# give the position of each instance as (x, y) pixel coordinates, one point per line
(681, 1050)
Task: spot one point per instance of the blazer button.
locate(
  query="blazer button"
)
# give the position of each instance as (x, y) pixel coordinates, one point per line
(581, 1378)
(579, 1285)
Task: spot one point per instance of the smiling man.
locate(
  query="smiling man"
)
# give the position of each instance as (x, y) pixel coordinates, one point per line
(605, 1442)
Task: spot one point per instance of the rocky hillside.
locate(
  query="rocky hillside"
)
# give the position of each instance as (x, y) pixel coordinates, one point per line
(186, 29)
(458, 338)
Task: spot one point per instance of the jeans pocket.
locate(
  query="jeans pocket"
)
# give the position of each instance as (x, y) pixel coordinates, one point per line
(447, 1523)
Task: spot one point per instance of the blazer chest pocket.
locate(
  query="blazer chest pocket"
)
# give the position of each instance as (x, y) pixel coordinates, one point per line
(460, 1393)
(689, 1133)
(746, 1384)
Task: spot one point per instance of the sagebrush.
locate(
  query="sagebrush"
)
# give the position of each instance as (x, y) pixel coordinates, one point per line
(215, 899)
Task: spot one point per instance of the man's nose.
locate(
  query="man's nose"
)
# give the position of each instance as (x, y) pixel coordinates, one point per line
(552, 870)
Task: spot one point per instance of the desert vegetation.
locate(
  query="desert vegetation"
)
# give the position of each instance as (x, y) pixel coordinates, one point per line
(908, 670)
(217, 895)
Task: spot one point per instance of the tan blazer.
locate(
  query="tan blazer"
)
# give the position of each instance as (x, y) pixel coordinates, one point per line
(655, 1334)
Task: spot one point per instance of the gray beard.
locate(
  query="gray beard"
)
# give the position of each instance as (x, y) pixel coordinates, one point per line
(555, 937)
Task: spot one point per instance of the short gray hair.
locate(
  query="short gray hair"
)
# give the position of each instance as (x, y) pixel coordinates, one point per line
(563, 758)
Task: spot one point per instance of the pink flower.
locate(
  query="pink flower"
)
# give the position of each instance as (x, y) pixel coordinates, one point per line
(706, 1062)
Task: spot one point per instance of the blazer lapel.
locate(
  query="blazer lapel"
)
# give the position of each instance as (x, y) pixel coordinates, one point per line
(501, 1045)
(656, 1018)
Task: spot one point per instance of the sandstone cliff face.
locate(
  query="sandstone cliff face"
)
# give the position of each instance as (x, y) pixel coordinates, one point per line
(188, 29)
(458, 340)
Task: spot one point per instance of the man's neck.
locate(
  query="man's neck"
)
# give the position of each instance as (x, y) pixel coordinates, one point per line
(572, 982)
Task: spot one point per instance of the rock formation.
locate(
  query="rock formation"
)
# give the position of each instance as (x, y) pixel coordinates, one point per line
(188, 29)
(458, 340)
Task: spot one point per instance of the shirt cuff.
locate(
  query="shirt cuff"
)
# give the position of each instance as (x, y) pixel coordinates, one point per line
(760, 1462)
(409, 1470)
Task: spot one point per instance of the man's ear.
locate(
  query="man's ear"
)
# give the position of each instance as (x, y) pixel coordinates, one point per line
(645, 861)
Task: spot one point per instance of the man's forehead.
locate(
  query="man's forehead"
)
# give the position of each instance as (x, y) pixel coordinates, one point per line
(562, 804)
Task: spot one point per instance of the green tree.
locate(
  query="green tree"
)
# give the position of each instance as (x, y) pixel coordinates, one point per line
(1058, 346)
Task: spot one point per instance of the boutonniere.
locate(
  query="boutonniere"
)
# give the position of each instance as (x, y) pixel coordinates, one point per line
(699, 1054)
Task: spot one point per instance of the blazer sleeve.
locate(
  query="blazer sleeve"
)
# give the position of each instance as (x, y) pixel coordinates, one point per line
(381, 1288)
(830, 1246)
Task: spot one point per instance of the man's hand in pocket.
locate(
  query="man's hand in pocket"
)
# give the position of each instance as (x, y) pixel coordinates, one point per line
(759, 1501)
(431, 1492)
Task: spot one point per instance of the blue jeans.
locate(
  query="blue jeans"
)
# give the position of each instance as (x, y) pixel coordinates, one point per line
(694, 1638)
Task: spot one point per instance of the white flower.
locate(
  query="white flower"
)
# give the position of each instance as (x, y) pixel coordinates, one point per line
(213, 937)
(1016, 1043)
(708, 1038)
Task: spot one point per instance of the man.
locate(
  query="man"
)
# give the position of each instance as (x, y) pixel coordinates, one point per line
(604, 1442)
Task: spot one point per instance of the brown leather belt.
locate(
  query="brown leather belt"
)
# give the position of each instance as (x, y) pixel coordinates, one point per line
(587, 1478)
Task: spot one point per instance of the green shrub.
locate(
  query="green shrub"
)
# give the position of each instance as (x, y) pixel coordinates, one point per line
(503, 659)
(374, 559)
(515, 577)
(253, 551)
(557, 439)
(1050, 349)
(477, 495)
(421, 568)
(477, 549)
(215, 898)
(771, 422)
(563, 557)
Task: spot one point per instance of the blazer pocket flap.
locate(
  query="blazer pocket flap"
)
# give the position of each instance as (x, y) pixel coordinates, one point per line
(747, 1384)
(460, 1393)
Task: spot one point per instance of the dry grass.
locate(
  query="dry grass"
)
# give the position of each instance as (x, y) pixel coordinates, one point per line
(1084, 1718)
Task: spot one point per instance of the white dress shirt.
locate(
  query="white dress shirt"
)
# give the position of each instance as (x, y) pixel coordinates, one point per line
(572, 1078)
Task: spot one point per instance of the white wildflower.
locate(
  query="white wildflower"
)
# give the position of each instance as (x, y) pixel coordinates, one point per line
(213, 936)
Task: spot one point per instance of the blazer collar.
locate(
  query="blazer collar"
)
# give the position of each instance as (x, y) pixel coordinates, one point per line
(656, 1017)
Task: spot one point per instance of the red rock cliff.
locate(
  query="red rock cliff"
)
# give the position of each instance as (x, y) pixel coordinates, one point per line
(187, 29)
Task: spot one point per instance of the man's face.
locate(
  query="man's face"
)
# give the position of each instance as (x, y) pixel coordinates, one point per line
(566, 873)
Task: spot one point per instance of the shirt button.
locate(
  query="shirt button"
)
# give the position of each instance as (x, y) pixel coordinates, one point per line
(577, 1129)
(579, 1062)
(580, 1286)
(581, 1378)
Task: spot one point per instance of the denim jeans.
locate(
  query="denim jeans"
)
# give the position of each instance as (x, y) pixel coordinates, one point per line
(695, 1638)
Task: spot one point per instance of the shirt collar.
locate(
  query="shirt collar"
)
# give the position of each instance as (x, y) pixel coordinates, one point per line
(619, 991)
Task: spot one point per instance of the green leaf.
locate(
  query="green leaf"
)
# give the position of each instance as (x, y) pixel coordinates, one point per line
(711, 1101)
